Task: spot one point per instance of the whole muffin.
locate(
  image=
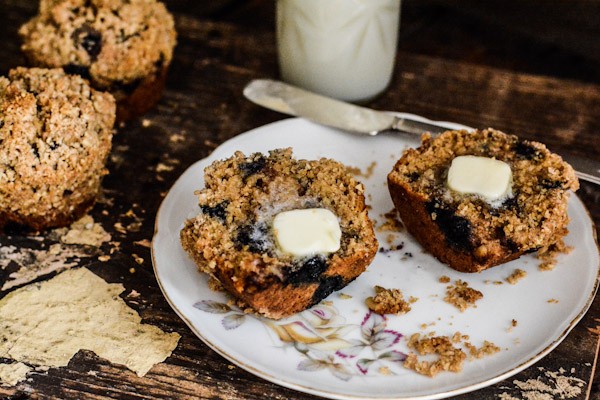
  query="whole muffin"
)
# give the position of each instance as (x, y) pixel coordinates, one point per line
(123, 47)
(55, 136)
(237, 239)
(467, 231)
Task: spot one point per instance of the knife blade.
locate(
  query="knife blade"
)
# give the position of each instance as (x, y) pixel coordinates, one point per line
(291, 100)
(288, 99)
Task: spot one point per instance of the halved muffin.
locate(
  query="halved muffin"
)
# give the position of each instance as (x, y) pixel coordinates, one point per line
(468, 231)
(234, 240)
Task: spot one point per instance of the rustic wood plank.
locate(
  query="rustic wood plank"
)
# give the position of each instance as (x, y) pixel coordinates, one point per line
(556, 112)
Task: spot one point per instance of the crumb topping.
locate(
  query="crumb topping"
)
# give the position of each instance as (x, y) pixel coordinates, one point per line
(548, 255)
(389, 301)
(450, 358)
(461, 296)
(450, 354)
(516, 276)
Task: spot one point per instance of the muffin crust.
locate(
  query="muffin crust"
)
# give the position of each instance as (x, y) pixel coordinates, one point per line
(55, 136)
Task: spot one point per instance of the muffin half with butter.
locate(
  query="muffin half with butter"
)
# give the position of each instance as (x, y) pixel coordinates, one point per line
(479, 199)
(280, 234)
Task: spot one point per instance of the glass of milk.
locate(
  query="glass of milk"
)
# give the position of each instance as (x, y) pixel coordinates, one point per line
(340, 48)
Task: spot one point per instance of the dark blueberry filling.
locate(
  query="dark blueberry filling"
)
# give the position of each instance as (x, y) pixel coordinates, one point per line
(35, 150)
(89, 39)
(252, 167)
(309, 271)
(327, 286)
(512, 246)
(303, 188)
(551, 184)
(74, 69)
(219, 211)
(413, 176)
(254, 236)
(526, 151)
(511, 204)
(456, 229)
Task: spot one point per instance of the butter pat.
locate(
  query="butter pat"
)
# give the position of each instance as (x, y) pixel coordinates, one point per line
(307, 231)
(486, 177)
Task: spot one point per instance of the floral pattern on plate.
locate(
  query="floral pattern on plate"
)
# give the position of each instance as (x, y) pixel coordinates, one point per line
(324, 339)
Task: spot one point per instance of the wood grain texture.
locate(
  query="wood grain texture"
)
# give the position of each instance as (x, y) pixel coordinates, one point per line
(449, 67)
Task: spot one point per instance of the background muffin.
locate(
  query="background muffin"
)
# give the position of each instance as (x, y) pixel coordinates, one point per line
(124, 47)
(55, 136)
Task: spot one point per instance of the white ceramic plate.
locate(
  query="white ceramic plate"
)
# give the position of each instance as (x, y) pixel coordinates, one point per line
(341, 351)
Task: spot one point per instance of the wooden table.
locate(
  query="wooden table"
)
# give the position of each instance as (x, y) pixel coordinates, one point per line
(527, 67)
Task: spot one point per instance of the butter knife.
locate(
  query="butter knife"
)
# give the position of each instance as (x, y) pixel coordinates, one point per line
(291, 100)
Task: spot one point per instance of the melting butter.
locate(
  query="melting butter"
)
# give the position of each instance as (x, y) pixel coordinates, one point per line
(307, 231)
(486, 177)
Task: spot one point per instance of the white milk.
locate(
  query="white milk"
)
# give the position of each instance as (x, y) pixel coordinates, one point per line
(341, 48)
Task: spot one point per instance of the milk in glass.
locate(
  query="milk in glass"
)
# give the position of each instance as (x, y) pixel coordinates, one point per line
(341, 48)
